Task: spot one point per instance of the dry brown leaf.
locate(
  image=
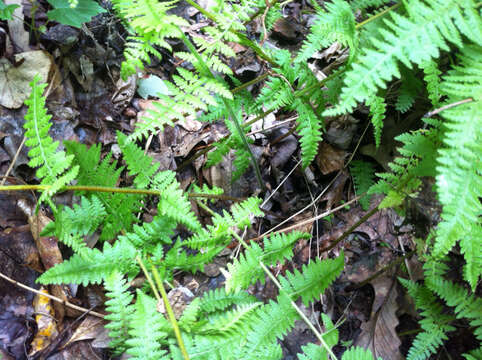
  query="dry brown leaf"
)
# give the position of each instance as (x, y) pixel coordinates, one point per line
(16, 29)
(15, 80)
(330, 159)
(91, 328)
(379, 333)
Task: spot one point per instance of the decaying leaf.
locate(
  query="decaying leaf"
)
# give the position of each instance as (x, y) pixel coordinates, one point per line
(46, 323)
(15, 78)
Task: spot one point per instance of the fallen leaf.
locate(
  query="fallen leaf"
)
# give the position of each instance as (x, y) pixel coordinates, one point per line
(90, 328)
(379, 333)
(46, 324)
(330, 159)
(15, 80)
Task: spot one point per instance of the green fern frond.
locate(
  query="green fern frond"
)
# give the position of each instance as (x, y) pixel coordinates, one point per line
(233, 322)
(474, 354)
(435, 324)
(309, 128)
(404, 39)
(53, 166)
(219, 299)
(272, 322)
(121, 208)
(72, 224)
(363, 174)
(337, 24)
(432, 78)
(93, 266)
(120, 311)
(313, 279)
(147, 328)
(358, 353)
(459, 176)
(377, 111)
(246, 270)
(152, 24)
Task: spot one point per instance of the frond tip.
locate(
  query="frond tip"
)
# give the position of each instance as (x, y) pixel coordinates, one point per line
(53, 166)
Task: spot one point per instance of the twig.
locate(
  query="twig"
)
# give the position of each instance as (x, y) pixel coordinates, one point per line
(446, 107)
(65, 302)
(4, 178)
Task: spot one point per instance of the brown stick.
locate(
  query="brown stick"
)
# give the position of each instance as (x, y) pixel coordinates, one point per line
(66, 303)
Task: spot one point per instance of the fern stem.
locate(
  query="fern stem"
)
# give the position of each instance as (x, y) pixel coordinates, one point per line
(170, 313)
(113, 190)
(293, 304)
(148, 277)
(376, 16)
(352, 228)
(251, 82)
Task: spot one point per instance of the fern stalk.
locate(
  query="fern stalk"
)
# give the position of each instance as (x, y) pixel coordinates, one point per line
(170, 313)
(293, 304)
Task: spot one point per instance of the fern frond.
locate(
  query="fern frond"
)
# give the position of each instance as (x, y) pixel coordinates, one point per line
(219, 299)
(459, 176)
(272, 322)
(434, 323)
(313, 279)
(377, 111)
(93, 266)
(121, 209)
(337, 24)
(405, 40)
(120, 311)
(147, 328)
(309, 128)
(72, 224)
(53, 166)
(364, 4)
(432, 78)
(358, 353)
(246, 270)
(363, 174)
(233, 322)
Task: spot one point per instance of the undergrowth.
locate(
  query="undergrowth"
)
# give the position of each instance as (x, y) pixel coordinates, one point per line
(408, 40)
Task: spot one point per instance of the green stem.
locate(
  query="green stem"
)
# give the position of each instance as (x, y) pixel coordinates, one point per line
(376, 16)
(170, 313)
(293, 304)
(148, 277)
(111, 190)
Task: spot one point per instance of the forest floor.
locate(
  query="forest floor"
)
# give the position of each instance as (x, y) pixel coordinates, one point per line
(89, 104)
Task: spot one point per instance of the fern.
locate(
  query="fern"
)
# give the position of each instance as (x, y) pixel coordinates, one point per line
(357, 353)
(459, 177)
(72, 224)
(337, 24)
(435, 324)
(432, 78)
(405, 40)
(313, 279)
(219, 299)
(93, 266)
(120, 309)
(53, 166)
(147, 328)
(246, 270)
(120, 208)
(363, 174)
